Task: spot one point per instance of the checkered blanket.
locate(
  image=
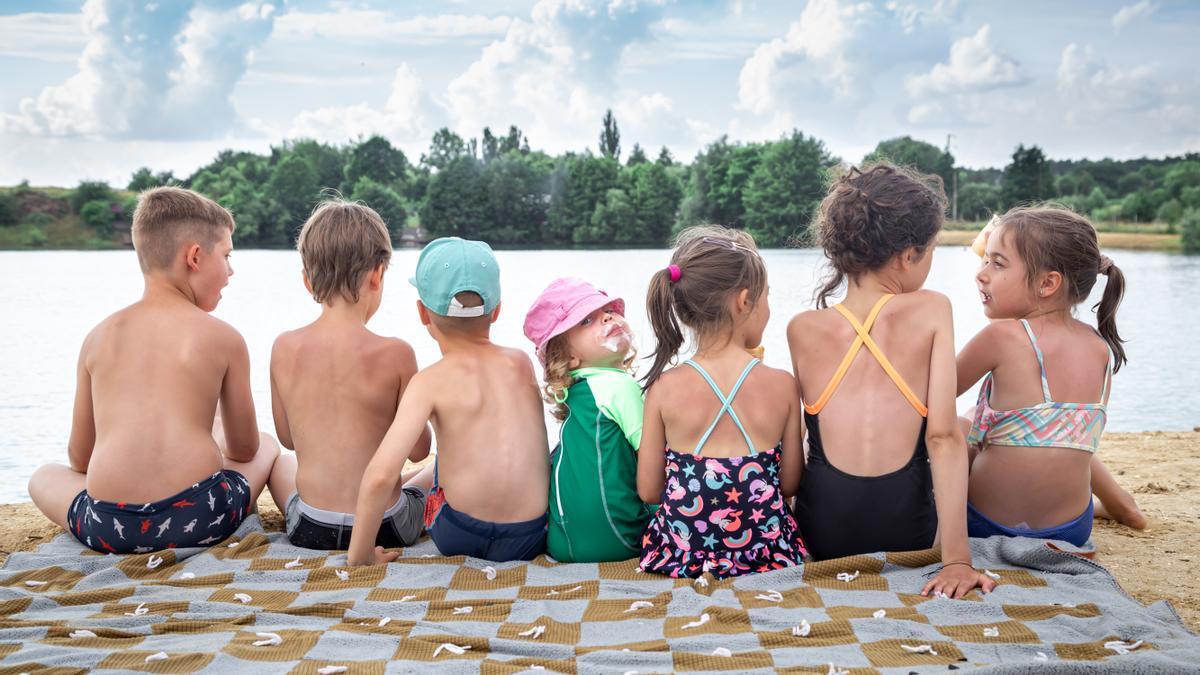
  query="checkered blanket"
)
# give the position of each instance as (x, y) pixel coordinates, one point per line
(256, 603)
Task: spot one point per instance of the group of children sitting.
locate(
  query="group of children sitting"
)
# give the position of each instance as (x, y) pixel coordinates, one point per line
(716, 465)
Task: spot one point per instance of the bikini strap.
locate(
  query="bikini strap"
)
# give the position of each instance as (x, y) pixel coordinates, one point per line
(726, 404)
(1041, 362)
(848, 359)
(1108, 373)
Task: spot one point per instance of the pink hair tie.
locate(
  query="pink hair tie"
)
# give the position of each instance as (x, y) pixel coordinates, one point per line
(675, 272)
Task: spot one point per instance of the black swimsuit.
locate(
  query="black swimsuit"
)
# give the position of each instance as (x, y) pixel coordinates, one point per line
(840, 514)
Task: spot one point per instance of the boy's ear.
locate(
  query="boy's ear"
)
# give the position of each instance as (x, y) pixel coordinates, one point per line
(1049, 284)
(375, 278)
(191, 257)
(496, 313)
(307, 283)
(423, 312)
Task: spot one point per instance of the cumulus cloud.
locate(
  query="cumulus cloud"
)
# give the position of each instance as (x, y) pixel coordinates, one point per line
(1130, 13)
(47, 37)
(151, 70)
(362, 24)
(404, 118)
(1088, 83)
(974, 66)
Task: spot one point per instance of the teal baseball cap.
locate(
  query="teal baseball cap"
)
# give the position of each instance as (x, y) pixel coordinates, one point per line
(450, 265)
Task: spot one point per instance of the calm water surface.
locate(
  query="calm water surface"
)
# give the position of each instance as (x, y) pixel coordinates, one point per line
(49, 301)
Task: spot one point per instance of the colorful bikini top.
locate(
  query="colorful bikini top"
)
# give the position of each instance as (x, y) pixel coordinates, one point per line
(1049, 424)
(864, 338)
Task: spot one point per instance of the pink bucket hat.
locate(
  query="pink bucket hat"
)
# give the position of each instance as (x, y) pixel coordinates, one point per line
(561, 307)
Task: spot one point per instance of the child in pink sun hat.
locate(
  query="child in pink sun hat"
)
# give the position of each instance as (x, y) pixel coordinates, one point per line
(586, 351)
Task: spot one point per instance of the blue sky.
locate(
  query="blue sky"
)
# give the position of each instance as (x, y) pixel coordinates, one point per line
(96, 89)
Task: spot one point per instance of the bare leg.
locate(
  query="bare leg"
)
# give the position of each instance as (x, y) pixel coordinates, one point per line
(283, 480)
(258, 470)
(1115, 503)
(423, 478)
(53, 487)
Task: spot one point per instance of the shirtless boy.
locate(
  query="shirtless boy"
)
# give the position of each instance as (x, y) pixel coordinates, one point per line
(335, 386)
(491, 476)
(150, 468)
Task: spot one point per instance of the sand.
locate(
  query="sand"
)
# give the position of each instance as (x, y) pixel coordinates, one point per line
(1161, 469)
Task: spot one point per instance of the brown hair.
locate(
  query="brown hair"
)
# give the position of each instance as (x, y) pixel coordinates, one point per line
(557, 373)
(168, 217)
(713, 263)
(1056, 239)
(873, 213)
(340, 243)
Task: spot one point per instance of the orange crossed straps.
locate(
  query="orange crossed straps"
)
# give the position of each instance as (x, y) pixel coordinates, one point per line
(864, 338)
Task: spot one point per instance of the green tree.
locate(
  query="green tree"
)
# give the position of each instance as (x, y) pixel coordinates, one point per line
(978, 201)
(1171, 212)
(8, 209)
(490, 145)
(665, 158)
(1189, 226)
(578, 184)
(655, 192)
(446, 147)
(377, 159)
(1181, 176)
(516, 189)
(717, 182)
(89, 191)
(328, 161)
(1028, 178)
(98, 214)
(386, 203)
(144, 179)
(514, 142)
(452, 203)
(636, 156)
(613, 221)
(293, 185)
(610, 137)
(785, 189)
(922, 156)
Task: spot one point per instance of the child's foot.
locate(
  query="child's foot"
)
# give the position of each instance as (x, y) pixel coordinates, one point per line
(1128, 514)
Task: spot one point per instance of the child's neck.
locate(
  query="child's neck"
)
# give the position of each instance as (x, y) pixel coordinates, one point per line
(161, 286)
(340, 312)
(1060, 314)
(721, 347)
(451, 343)
(871, 285)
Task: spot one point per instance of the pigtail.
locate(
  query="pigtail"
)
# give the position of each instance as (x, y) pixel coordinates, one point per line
(660, 308)
(1106, 311)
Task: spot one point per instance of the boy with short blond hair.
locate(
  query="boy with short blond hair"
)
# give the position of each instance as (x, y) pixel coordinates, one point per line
(491, 476)
(335, 386)
(150, 467)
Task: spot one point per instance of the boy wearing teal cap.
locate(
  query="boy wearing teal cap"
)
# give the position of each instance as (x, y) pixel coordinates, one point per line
(489, 481)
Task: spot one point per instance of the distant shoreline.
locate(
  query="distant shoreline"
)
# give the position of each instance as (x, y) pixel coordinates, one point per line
(1133, 241)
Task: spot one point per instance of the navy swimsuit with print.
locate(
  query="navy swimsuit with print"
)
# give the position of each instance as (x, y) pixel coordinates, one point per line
(723, 515)
(201, 515)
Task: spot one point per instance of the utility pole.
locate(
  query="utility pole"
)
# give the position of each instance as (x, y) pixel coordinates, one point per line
(953, 183)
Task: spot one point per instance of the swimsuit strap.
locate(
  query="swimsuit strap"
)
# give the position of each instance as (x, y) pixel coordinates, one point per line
(1108, 372)
(864, 338)
(726, 404)
(1041, 362)
(844, 366)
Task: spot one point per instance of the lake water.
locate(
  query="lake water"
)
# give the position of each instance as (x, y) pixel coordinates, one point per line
(50, 300)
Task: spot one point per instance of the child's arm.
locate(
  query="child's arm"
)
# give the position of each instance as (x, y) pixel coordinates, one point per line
(652, 457)
(237, 404)
(382, 474)
(408, 369)
(977, 358)
(948, 462)
(83, 421)
(283, 431)
(791, 464)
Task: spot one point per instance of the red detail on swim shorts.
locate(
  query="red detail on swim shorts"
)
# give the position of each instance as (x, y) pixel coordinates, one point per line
(170, 545)
(145, 526)
(225, 485)
(182, 503)
(120, 505)
(433, 504)
(105, 544)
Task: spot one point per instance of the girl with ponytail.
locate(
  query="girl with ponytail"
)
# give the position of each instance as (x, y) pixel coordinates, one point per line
(1047, 377)
(720, 447)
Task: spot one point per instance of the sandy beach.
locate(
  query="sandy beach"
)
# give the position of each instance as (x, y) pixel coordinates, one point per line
(1162, 469)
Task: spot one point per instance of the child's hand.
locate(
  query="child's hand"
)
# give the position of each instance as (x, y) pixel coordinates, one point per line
(380, 557)
(957, 580)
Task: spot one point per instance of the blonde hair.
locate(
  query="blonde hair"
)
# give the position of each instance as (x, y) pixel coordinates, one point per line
(557, 373)
(168, 217)
(340, 243)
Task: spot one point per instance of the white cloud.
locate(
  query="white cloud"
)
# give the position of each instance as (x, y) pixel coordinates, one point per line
(47, 37)
(405, 117)
(362, 24)
(1130, 13)
(151, 71)
(974, 66)
(1089, 84)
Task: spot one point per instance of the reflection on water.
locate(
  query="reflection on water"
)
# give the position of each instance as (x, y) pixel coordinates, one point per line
(49, 300)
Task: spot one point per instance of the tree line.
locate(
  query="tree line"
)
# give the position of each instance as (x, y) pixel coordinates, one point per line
(495, 187)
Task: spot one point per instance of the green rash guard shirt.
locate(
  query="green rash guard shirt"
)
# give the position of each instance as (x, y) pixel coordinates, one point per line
(595, 512)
